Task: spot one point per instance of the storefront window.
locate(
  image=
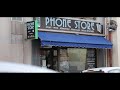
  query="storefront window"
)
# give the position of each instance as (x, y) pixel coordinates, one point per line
(77, 59)
(69, 59)
(64, 60)
(48, 58)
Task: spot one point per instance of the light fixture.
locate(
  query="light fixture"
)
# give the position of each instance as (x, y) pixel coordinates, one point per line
(112, 25)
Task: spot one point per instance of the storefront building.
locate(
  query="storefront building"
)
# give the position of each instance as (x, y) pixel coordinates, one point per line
(64, 44)
(70, 44)
(114, 35)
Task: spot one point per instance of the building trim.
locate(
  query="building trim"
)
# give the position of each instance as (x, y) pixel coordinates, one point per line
(70, 32)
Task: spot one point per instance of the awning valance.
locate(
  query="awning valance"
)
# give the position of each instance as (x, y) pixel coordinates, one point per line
(73, 40)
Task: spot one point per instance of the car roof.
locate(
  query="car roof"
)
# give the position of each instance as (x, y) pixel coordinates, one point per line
(105, 69)
(10, 67)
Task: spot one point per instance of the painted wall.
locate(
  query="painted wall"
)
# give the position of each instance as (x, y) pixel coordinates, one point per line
(116, 44)
(13, 45)
(5, 39)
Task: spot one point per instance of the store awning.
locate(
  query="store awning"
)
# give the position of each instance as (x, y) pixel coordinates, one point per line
(73, 40)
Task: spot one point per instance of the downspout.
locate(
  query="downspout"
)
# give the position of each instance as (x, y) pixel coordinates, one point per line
(110, 50)
(108, 37)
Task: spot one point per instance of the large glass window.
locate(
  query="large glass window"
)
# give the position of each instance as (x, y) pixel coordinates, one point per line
(77, 59)
(64, 60)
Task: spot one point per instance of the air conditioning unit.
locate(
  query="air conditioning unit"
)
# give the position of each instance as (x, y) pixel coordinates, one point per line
(112, 25)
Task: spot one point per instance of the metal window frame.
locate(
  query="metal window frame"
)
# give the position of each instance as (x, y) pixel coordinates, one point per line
(17, 19)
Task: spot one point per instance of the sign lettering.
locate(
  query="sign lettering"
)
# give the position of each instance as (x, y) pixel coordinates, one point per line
(71, 25)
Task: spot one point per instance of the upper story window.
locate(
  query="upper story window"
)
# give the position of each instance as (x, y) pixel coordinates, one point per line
(17, 19)
(87, 18)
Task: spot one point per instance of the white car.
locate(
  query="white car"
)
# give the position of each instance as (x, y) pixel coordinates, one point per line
(103, 70)
(9, 67)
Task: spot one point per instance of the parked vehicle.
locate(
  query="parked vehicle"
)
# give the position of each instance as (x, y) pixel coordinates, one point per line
(103, 70)
(9, 67)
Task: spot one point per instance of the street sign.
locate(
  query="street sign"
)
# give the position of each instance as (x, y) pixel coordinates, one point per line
(32, 30)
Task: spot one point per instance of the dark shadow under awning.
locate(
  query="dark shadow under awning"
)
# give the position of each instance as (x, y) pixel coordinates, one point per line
(73, 40)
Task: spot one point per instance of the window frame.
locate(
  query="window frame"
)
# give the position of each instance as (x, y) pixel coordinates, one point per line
(87, 18)
(17, 19)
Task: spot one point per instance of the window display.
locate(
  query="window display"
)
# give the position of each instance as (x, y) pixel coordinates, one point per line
(77, 59)
(64, 61)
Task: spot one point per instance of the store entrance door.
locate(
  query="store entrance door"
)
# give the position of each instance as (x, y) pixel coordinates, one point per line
(50, 58)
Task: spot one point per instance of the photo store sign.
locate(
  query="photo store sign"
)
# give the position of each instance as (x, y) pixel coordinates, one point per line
(56, 23)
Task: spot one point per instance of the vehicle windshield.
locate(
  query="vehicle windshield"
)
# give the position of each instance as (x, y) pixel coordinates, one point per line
(93, 71)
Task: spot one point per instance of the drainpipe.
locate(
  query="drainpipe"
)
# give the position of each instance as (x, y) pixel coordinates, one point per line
(108, 37)
(110, 50)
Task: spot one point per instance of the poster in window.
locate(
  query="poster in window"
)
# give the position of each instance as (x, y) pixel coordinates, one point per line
(91, 57)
